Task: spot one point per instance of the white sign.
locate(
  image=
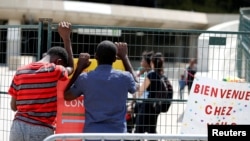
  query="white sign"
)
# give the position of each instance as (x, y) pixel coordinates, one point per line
(217, 103)
(101, 32)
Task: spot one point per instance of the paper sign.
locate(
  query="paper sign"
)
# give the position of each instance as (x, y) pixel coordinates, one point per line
(215, 102)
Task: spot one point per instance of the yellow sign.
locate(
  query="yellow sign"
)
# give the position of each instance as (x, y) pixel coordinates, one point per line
(233, 79)
(116, 65)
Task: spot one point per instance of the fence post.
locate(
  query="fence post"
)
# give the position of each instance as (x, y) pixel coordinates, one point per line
(44, 26)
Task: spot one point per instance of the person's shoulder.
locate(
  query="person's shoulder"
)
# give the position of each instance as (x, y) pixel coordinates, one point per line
(26, 66)
(123, 73)
(60, 67)
(84, 74)
(150, 73)
(164, 76)
(23, 67)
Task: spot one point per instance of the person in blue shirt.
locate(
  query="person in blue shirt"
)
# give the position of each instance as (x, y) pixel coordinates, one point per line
(105, 89)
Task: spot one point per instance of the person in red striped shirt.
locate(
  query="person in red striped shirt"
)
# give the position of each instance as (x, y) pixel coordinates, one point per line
(34, 93)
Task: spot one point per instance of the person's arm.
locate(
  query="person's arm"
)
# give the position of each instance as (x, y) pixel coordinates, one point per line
(142, 88)
(83, 62)
(122, 54)
(13, 104)
(141, 71)
(64, 30)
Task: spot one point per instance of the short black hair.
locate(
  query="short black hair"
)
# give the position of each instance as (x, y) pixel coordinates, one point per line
(106, 52)
(60, 52)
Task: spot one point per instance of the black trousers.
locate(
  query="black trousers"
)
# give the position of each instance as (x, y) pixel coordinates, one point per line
(146, 118)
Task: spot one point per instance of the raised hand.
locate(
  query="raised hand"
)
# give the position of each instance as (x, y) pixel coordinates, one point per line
(64, 29)
(83, 61)
(122, 53)
(122, 49)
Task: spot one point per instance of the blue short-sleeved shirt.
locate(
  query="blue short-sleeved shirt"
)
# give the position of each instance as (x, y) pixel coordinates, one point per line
(105, 93)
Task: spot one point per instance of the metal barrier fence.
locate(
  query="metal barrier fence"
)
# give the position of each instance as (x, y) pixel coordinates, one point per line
(244, 41)
(122, 137)
(217, 54)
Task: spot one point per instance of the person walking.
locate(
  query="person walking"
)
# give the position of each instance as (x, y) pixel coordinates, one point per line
(191, 71)
(182, 84)
(33, 91)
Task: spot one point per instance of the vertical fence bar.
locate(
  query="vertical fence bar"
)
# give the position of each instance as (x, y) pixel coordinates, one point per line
(40, 31)
(49, 33)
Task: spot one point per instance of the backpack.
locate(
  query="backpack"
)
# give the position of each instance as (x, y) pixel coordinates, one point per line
(165, 94)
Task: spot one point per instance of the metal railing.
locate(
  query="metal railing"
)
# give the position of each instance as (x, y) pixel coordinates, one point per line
(122, 137)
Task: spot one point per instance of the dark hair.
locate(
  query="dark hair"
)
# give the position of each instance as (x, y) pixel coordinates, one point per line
(158, 62)
(147, 56)
(60, 52)
(106, 52)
